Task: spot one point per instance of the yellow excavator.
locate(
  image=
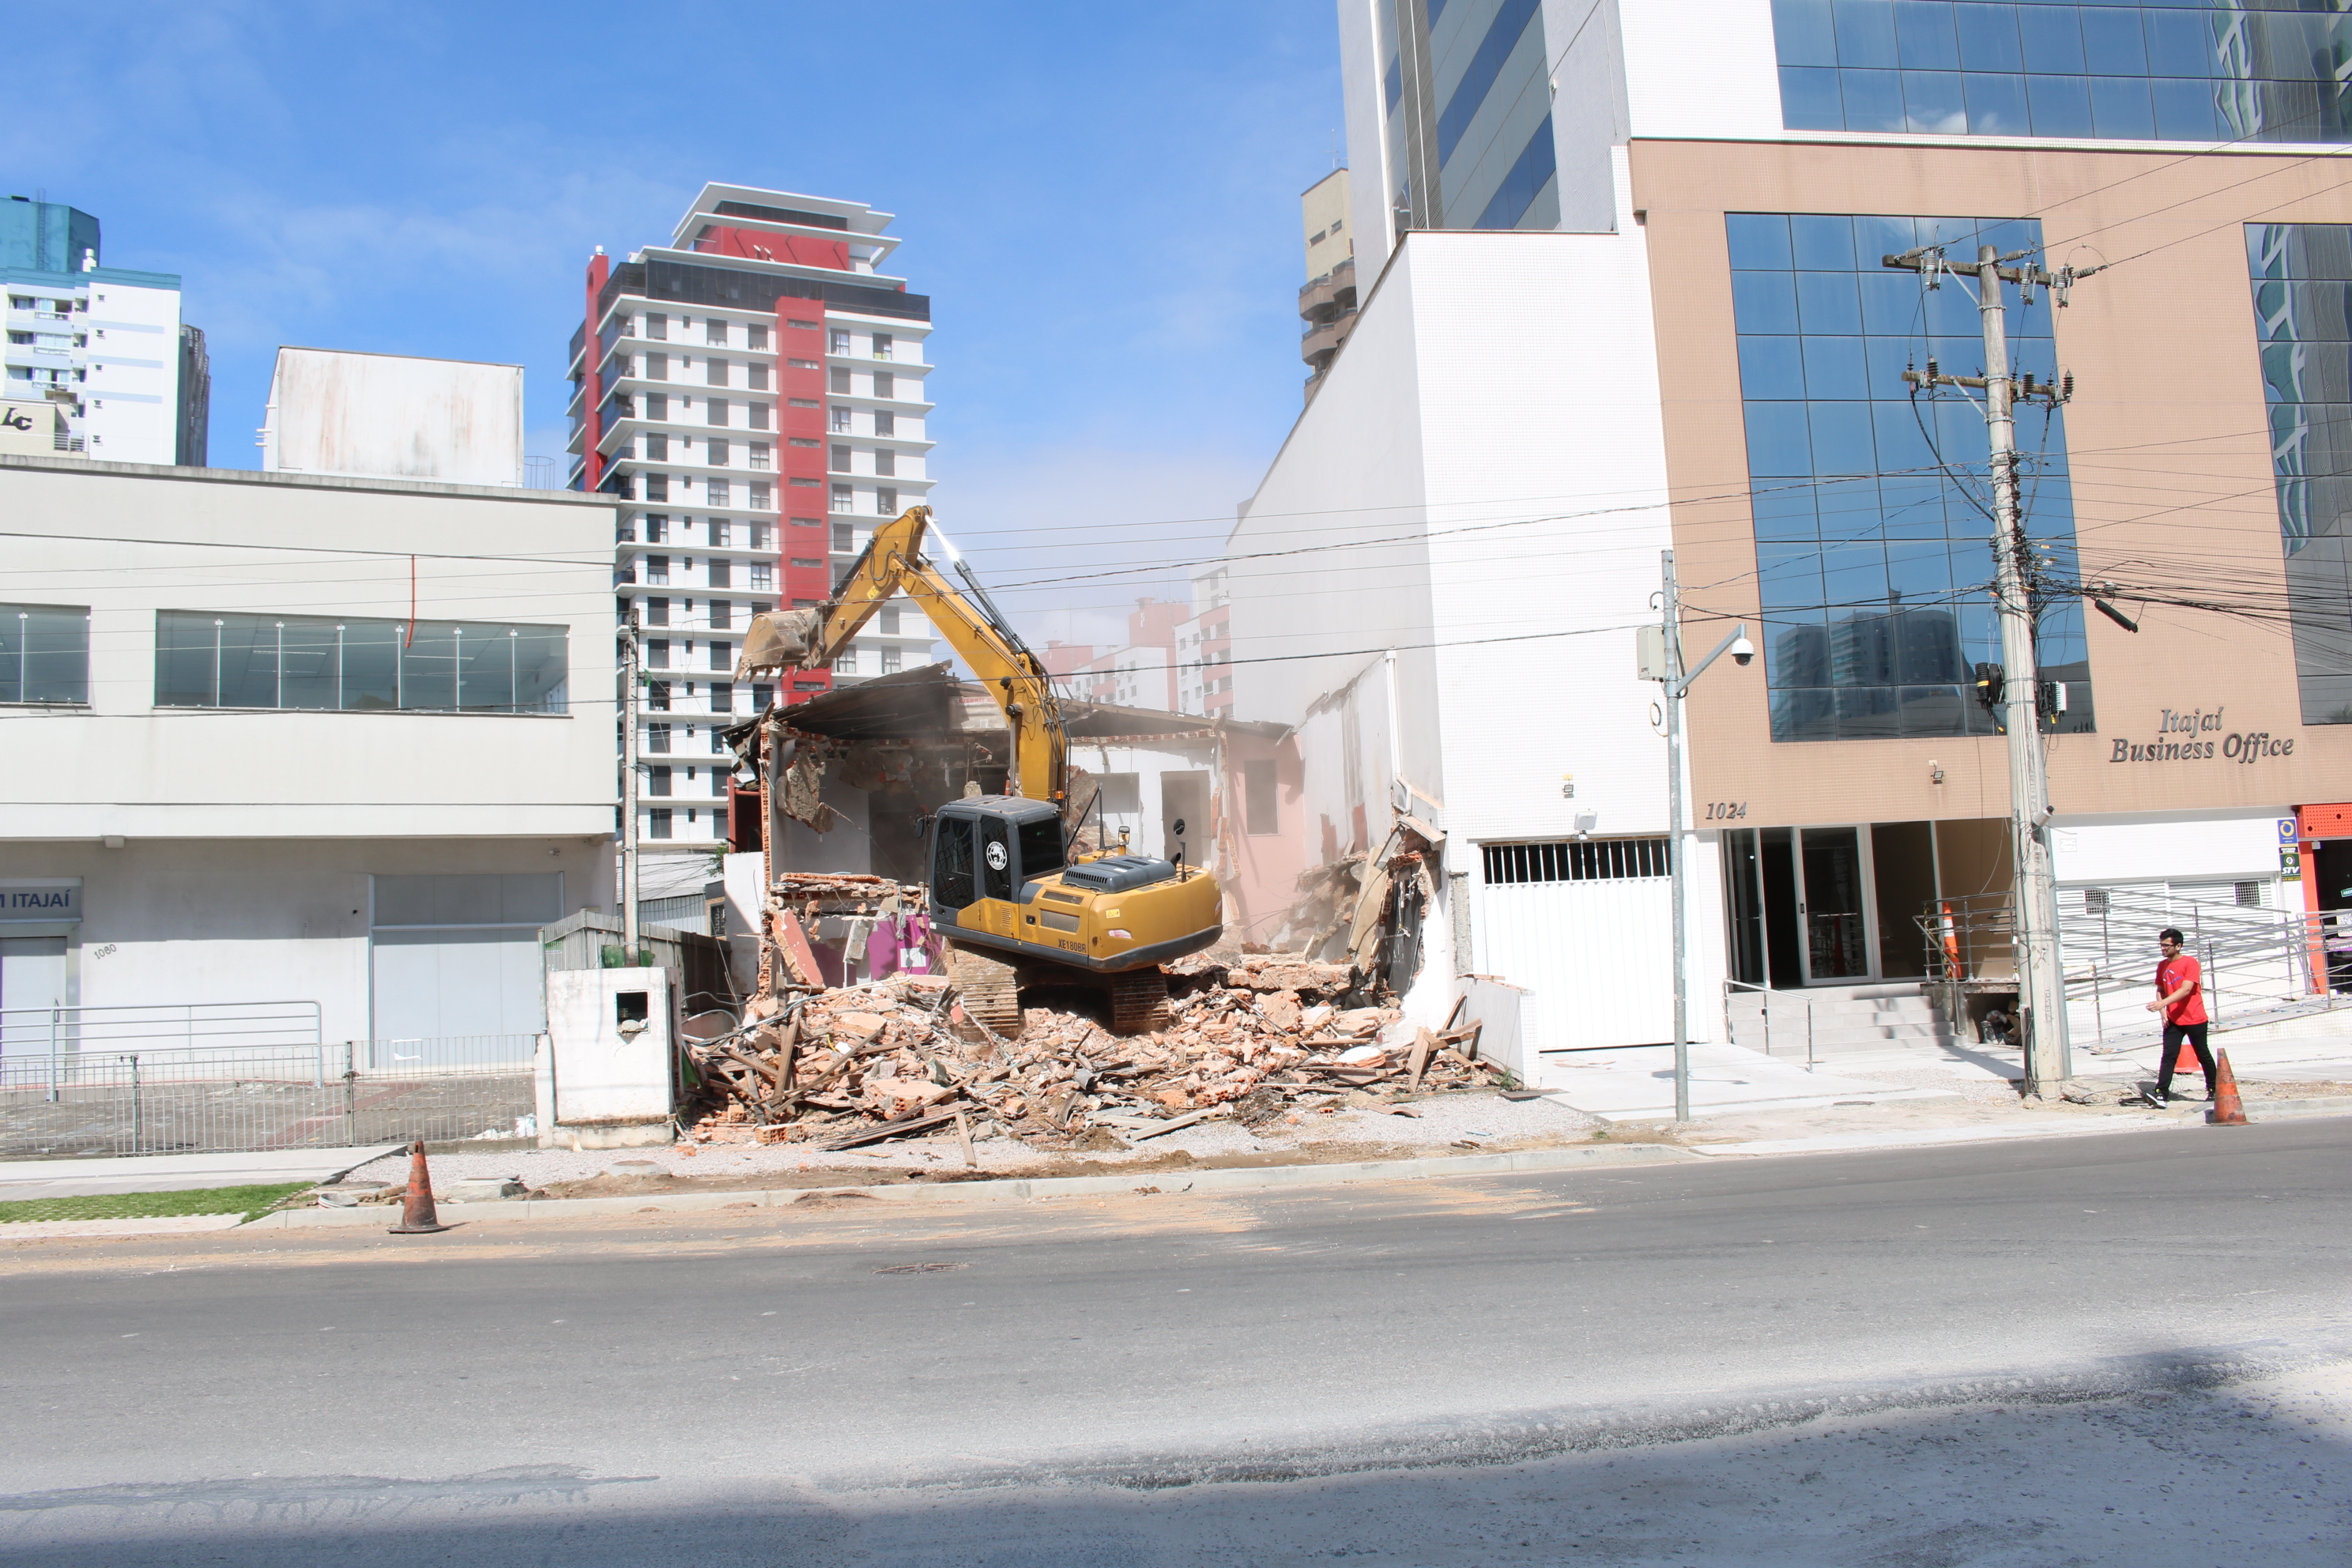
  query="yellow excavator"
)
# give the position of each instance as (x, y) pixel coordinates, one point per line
(1014, 902)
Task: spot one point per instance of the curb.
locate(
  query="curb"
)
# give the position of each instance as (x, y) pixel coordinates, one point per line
(1020, 1190)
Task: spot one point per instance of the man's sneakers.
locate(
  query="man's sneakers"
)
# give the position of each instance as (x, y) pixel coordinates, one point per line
(2150, 1098)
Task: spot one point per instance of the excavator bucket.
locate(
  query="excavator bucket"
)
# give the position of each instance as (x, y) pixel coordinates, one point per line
(778, 640)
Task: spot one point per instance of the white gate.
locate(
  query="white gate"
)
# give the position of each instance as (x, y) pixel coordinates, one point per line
(1588, 926)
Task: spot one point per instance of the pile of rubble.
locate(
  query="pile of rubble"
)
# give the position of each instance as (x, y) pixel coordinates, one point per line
(1256, 1038)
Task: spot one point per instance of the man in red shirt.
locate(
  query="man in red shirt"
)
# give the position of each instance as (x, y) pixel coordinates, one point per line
(2181, 998)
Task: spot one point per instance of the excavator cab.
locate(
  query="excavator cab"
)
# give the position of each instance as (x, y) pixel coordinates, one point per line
(1002, 881)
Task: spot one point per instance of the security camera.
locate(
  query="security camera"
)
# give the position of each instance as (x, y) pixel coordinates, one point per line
(1743, 651)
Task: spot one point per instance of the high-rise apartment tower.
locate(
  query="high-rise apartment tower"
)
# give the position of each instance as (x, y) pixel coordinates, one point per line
(753, 391)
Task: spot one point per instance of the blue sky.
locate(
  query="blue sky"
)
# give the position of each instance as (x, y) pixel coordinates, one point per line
(1100, 198)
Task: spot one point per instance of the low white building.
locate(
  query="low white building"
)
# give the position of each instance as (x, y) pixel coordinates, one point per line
(330, 742)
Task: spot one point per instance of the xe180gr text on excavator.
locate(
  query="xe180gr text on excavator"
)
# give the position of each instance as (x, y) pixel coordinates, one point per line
(1014, 902)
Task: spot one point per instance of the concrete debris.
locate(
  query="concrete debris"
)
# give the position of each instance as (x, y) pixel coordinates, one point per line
(1254, 1038)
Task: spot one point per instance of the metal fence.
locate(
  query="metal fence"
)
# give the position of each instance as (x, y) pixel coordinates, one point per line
(160, 1098)
(184, 1025)
(2259, 962)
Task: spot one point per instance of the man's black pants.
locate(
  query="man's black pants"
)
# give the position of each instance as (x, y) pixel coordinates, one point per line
(2173, 1035)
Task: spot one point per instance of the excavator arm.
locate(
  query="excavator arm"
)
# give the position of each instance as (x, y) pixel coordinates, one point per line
(894, 563)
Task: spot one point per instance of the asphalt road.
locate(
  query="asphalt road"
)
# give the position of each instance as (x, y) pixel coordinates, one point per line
(2123, 1349)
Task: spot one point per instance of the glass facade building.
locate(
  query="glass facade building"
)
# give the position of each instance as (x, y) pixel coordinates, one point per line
(2171, 70)
(1465, 93)
(1873, 534)
(2303, 311)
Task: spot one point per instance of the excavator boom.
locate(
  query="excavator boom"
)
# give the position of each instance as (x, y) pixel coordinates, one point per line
(893, 564)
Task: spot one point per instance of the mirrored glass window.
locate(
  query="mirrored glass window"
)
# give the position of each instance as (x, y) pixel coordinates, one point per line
(1874, 554)
(2302, 276)
(2174, 70)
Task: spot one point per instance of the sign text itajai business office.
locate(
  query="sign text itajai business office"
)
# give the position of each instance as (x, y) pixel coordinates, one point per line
(2200, 737)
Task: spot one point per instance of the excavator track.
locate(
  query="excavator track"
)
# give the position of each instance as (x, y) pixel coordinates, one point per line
(1139, 1002)
(987, 989)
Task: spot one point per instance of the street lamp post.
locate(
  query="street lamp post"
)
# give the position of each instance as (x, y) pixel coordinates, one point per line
(1661, 655)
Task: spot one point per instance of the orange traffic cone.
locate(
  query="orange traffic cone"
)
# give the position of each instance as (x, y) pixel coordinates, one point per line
(2227, 1111)
(416, 1215)
(2185, 1061)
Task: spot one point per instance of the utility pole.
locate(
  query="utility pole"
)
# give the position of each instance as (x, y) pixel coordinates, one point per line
(629, 789)
(2042, 990)
(1659, 653)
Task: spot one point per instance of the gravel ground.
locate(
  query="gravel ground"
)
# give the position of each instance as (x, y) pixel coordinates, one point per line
(1484, 1118)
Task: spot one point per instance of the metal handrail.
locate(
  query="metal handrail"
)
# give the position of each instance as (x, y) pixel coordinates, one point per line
(1730, 985)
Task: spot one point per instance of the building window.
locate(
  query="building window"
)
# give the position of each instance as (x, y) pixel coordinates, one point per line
(722, 612)
(889, 620)
(657, 569)
(1872, 559)
(838, 460)
(844, 498)
(762, 499)
(760, 454)
(657, 326)
(886, 462)
(657, 652)
(845, 539)
(885, 500)
(722, 692)
(1576, 860)
(2301, 272)
(718, 736)
(804, 403)
(657, 696)
(657, 405)
(657, 447)
(1260, 799)
(657, 528)
(847, 663)
(837, 381)
(840, 421)
(657, 487)
(656, 611)
(755, 376)
(756, 336)
(329, 663)
(714, 333)
(44, 653)
(657, 737)
(658, 822)
(884, 384)
(2164, 71)
(714, 374)
(717, 776)
(656, 367)
(892, 658)
(723, 657)
(837, 342)
(757, 413)
(886, 423)
(763, 577)
(763, 695)
(720, 531)
(881, 345)
(720, 576)
(714, 412)
(715, 492)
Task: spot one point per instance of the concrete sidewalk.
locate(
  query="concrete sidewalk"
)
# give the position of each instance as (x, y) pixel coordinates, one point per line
(1637, 1083)
(22, 1180)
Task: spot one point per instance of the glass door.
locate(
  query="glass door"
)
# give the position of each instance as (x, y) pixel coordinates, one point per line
(1833, 879)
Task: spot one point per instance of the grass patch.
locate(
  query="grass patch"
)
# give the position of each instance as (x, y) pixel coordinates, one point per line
(250, 1202)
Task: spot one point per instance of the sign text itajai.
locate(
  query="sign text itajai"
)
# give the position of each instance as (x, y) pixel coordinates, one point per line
(40, 898)
(2202, 737)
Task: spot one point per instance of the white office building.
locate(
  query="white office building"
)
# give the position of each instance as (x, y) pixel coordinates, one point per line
(343, 744)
